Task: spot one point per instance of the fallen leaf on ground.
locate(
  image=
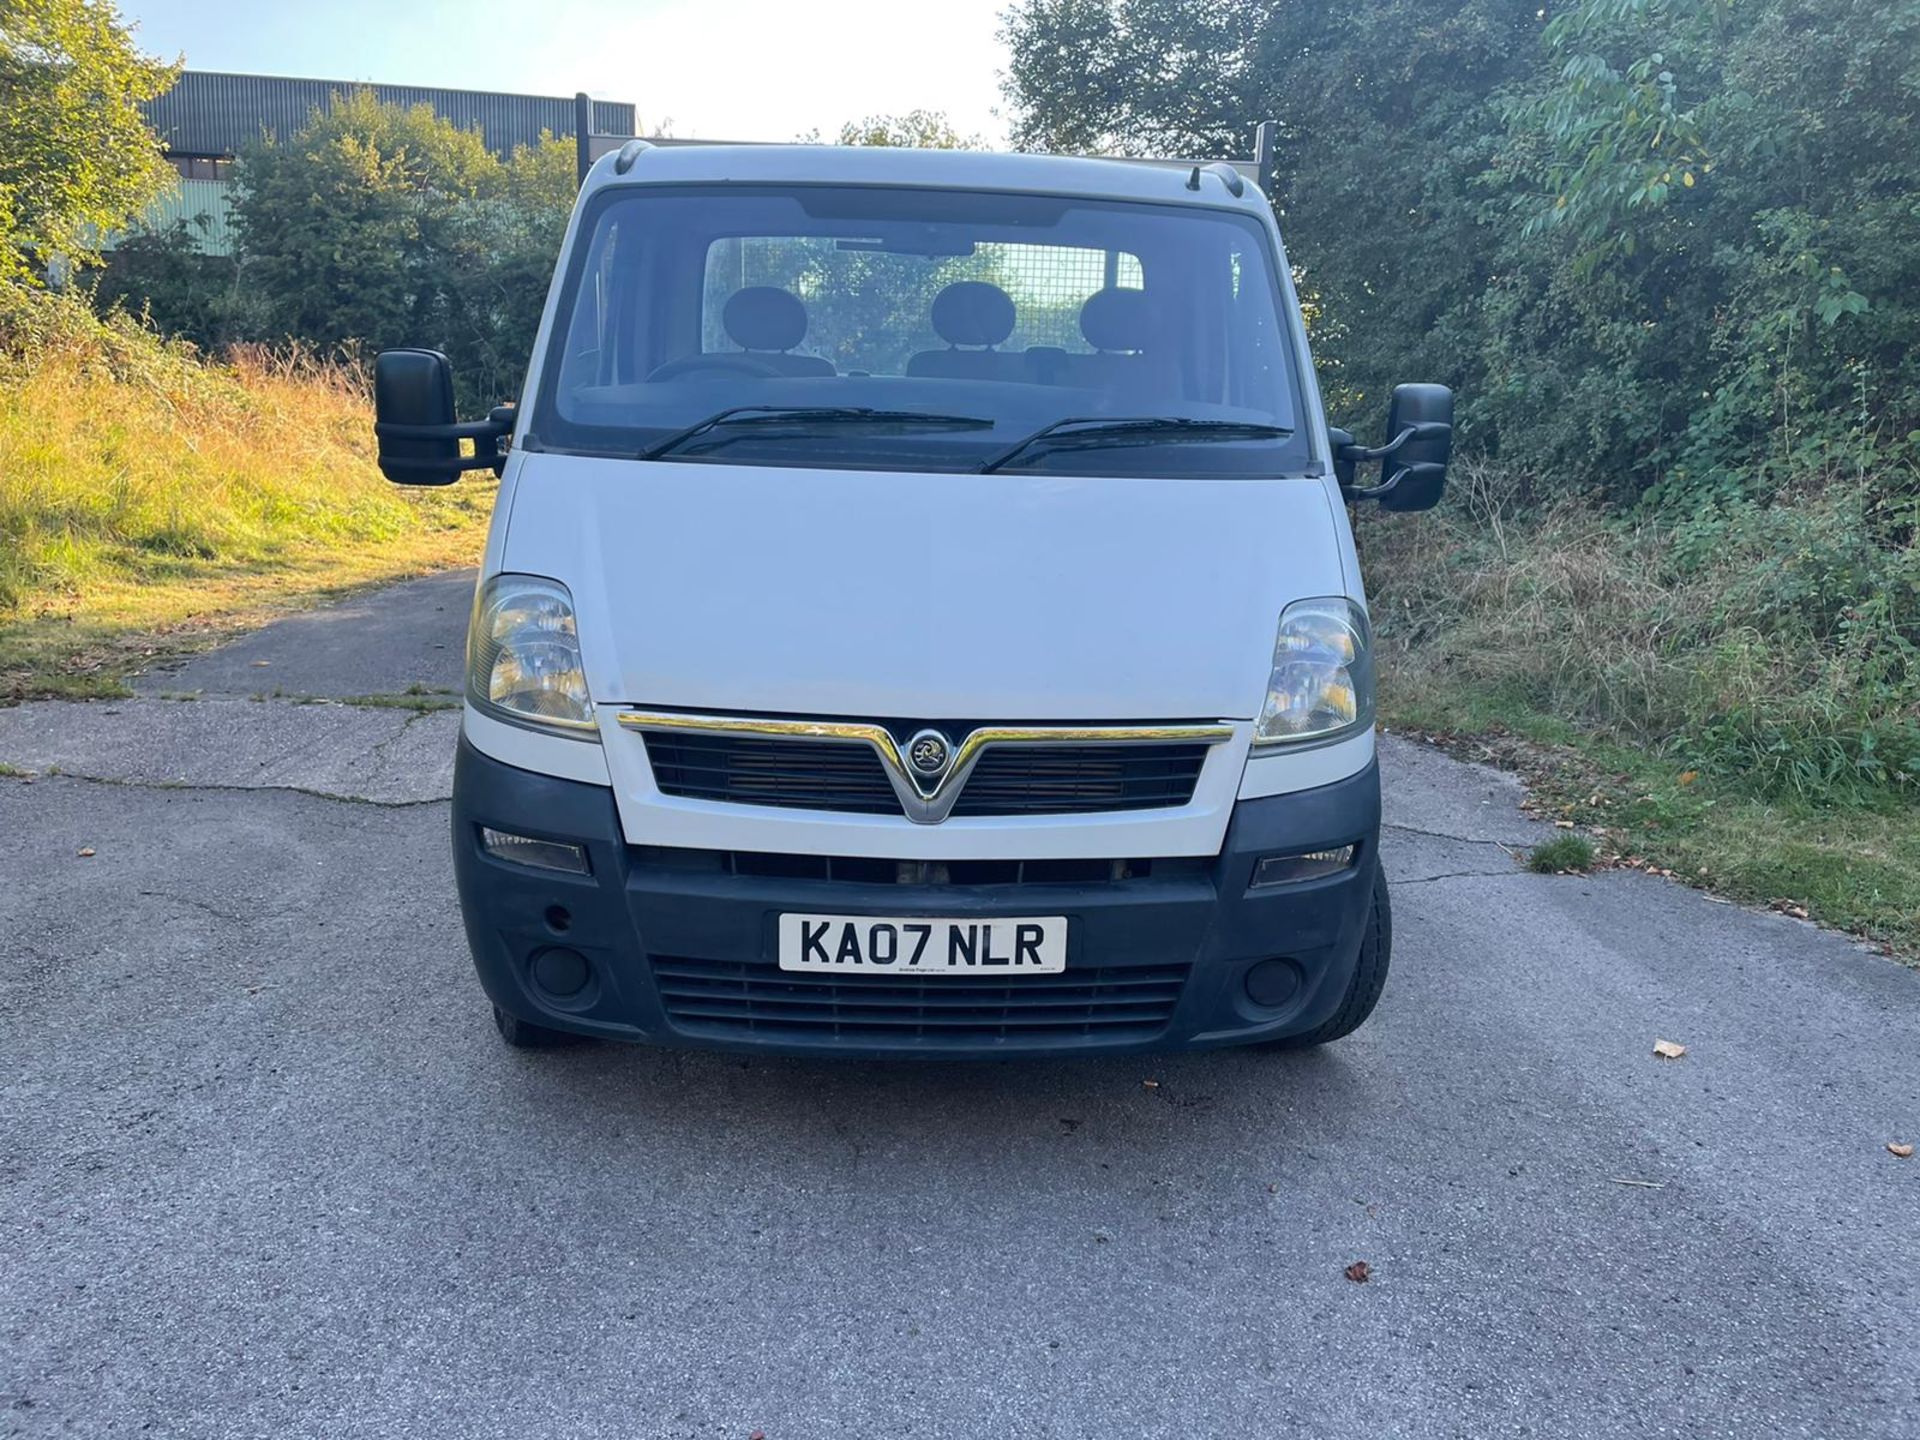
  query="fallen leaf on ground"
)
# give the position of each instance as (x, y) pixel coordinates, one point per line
(1894, 1147)
(86, 852)
(1359, 1272)
(1667, 1050)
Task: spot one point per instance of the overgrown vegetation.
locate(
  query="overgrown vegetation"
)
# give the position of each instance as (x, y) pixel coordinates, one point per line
(148, 495)
(1666, 253)
(1730, 699)
(1772, 643)
(149, 499)
(1659, 247)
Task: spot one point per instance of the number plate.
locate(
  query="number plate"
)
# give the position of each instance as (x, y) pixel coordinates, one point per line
(891, 945)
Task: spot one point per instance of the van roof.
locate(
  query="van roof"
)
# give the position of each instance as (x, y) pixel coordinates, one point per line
(685, 163)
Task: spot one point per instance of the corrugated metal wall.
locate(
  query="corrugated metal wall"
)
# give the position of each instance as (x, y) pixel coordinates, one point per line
(193, 199)
(210, 113)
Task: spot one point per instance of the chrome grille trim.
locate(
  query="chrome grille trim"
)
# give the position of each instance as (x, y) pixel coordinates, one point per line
(925, 801)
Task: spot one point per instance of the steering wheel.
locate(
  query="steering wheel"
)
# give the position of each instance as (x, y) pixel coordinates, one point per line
(732, 364)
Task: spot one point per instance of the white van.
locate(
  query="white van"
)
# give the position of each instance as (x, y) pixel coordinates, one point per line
(920, 616)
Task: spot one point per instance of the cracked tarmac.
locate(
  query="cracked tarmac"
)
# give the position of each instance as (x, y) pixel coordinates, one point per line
(265, 1170)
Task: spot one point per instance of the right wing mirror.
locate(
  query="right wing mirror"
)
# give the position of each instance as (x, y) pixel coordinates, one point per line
(1413, 470)
(414, 425)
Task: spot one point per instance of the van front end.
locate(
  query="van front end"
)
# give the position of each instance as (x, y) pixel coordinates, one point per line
(573, 929)
(920, 617)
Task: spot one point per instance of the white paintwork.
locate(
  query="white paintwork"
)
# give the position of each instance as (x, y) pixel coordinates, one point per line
(556, 754)
(754, 589)
(1282, 769)
(929, 169)
(869, 595)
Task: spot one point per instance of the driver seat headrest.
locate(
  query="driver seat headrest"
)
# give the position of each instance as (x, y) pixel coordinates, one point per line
(1116, 320)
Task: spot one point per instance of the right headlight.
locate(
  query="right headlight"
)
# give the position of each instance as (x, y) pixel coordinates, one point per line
(523, 656)
(1322, 680)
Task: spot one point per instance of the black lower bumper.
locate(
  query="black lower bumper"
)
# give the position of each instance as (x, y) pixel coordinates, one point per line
(676, 947)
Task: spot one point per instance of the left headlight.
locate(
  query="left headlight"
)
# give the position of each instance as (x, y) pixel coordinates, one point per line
(1322, 680)
(523, 656)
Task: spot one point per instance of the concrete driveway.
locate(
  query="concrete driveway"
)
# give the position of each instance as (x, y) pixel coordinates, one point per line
(266, 1171)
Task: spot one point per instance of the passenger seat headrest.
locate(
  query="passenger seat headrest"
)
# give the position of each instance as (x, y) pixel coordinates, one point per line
(973, 312)
(1116, 319)
(764, 317)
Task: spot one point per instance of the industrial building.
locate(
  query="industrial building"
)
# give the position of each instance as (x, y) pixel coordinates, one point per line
(208, 117)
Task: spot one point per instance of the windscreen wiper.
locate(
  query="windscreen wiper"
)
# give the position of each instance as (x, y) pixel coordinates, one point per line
(829, 414)
(1128, 430)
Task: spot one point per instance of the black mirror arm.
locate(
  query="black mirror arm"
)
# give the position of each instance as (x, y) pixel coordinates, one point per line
(1424, 430)
(1348, 456)
(486, 436)
(1372, 492)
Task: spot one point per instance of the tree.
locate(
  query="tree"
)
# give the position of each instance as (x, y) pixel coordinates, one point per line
(1383, 120)
(77, 160)
(1712, 276)
(915, 130)
(344, 230)
(379, 226)
(498, 262)
(167, 277)
(1663, 246)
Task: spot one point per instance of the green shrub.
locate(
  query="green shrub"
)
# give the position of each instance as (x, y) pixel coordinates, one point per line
(1777, 645)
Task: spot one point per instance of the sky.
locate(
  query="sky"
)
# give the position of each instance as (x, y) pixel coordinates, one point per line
(715, 69)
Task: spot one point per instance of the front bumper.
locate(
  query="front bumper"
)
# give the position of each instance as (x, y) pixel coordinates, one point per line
(677, 946)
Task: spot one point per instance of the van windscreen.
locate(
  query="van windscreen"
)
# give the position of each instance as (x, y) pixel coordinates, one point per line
(900, 328)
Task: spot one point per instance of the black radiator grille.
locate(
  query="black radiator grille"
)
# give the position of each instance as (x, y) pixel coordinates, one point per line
(1080, 779)
(765, 770)
(848, 776)
(732, 999)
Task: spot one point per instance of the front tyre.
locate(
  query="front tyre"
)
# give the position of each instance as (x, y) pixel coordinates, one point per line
(525, 1035)
(1369, 976)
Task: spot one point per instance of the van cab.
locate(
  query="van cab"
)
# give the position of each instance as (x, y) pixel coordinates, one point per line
(920, 615)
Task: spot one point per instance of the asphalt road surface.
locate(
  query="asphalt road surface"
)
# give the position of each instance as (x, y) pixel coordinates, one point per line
(266, 1171)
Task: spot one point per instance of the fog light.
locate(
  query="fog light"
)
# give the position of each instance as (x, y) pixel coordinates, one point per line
(539, 854)
(1313, 865)
(561, 973)
(1272, 983)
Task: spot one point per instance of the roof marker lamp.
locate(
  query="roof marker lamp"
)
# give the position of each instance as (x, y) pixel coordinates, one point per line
(1321, 686)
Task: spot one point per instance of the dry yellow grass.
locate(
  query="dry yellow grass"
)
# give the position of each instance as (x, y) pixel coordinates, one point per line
(150, 502)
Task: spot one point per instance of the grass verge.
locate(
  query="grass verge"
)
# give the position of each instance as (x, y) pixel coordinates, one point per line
(151, 502)
(1738, 716)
